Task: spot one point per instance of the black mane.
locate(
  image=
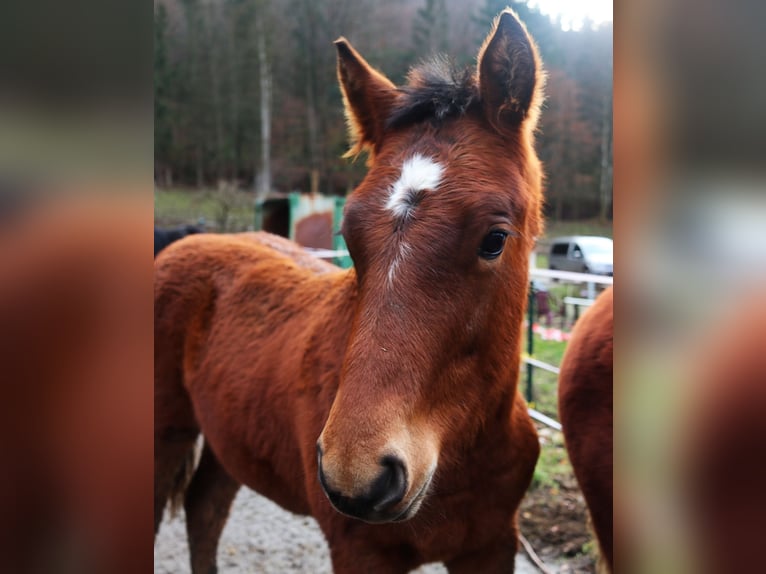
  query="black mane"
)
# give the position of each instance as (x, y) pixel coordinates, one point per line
(436, 90)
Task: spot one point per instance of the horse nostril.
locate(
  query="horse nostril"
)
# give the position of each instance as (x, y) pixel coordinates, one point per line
(390, 487)
(386, 491)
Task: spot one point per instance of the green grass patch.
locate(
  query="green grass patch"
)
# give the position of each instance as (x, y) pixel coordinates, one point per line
(544, 384)
(225, 210)
(552, 465)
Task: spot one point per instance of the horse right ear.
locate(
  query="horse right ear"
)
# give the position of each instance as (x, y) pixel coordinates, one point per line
(511, 76)
(367, 97)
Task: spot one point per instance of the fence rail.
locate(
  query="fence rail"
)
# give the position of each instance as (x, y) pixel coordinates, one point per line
(545, 419)
(571, 276)
(590, 280)
(540, 365)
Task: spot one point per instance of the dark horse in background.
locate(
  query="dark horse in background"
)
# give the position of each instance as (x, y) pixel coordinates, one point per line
(382, 400)
(164, 237)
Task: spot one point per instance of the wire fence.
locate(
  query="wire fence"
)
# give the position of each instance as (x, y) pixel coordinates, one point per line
(590, 282)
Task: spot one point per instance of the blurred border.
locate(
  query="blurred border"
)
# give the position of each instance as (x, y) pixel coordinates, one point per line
(76, 195)
(75, 269)
(690, 222)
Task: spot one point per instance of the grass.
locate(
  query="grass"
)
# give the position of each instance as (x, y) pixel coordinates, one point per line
(553, 463)
(553, 514)
(544, 384)
(225, 210)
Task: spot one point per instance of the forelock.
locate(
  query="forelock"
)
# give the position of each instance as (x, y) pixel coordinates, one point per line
(435, 90)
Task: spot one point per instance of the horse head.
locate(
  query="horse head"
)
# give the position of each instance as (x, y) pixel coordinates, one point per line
(440, 232)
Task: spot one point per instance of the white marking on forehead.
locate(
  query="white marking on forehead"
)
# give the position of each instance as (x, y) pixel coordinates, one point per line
(404, 251)
(418, 174)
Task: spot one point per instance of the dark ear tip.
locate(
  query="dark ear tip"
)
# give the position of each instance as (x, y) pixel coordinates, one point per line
(509, 19)
(342, 45)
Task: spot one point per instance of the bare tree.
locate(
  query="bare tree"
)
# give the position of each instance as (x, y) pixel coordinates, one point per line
(263, 179)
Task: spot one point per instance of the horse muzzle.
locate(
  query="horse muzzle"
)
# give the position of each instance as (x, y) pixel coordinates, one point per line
(380, 501)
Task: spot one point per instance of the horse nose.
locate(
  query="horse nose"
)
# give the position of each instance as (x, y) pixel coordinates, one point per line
(385, 492)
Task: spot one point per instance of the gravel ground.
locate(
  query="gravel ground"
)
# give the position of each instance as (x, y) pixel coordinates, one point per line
(260, 537)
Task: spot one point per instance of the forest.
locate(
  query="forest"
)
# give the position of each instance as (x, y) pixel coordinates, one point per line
(245, 92)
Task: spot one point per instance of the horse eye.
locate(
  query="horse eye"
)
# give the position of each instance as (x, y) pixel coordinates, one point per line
(492, 244)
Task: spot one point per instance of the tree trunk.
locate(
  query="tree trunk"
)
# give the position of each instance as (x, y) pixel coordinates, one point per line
(263, 180)
(200, 169)
(311, 101)
(314, 181)
(215, 79)
(605, 182)
(234, 128)
(559, 211)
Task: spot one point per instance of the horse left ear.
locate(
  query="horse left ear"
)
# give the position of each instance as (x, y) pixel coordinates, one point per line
(368, 97)
(511, 77)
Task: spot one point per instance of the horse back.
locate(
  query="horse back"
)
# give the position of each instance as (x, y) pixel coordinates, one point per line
(250, 287)
(191, 271)
(248, 327)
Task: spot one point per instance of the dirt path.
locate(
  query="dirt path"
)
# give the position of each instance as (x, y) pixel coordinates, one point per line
(262, 538)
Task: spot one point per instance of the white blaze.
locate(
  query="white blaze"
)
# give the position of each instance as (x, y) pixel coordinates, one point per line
(404, 250)
(418, 174)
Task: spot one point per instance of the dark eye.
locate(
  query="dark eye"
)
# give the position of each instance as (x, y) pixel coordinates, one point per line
(492, 244)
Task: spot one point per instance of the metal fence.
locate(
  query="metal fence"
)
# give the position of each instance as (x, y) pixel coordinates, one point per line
(590, 282)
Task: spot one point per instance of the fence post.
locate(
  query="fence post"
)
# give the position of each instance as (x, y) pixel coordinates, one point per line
(339, 244)
(530, 338)
(591, 290)
(258, 214)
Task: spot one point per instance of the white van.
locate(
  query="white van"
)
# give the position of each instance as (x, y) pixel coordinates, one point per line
(582, 254)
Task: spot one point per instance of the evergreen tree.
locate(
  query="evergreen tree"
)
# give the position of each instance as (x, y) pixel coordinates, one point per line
(430, 29)
(162, 85)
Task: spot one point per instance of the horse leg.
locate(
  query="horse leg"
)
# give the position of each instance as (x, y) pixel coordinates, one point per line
(499, 558)
(207, 504)
(173, 460)
(352, 557)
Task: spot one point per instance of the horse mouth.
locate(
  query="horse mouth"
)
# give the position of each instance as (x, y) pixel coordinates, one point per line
(411, 509)
(401, 515)
(383, 504)
(415, 503)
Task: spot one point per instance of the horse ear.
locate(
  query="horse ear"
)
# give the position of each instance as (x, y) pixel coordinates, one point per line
(367, 97)
(510, 72)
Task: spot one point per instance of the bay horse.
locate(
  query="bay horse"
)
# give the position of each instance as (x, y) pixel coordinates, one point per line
(381, 400)
(585, 399)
